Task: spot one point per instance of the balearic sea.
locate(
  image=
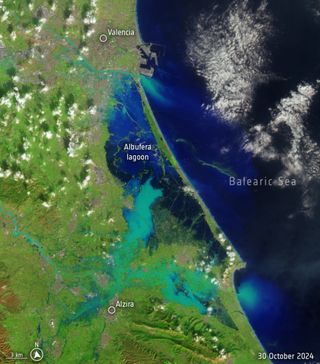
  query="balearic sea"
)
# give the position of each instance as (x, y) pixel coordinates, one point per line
(210, 151)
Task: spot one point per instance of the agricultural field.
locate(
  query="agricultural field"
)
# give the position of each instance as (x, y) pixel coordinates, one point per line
(73, 240)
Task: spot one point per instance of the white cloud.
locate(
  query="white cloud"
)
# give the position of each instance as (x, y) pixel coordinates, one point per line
(301, 160)
(229, 52)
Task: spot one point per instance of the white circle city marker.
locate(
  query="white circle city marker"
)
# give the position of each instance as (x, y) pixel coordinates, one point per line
(36, 354)
(103, 38)
(111, 310)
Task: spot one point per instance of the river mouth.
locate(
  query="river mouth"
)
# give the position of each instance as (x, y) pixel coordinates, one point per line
(265, 224)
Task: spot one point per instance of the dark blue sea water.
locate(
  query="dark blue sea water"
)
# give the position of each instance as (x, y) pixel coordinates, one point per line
(282, 315)
(127, 123)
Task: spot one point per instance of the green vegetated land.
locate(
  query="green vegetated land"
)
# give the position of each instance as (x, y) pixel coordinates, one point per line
(61, 210)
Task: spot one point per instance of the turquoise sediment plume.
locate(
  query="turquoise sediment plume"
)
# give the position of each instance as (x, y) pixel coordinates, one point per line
(248, 295)
(177, 284)
(259, 297)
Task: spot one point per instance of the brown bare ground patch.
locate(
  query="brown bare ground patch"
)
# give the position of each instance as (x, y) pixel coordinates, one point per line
(8, 298)
(5, 350)
(11, 302)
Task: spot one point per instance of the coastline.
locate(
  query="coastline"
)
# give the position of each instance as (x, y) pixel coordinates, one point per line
(233, 307)
(231, 301)
(165, 148)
